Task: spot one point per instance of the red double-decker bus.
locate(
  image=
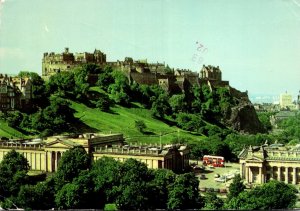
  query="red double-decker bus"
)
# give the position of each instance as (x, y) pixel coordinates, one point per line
(215, 161)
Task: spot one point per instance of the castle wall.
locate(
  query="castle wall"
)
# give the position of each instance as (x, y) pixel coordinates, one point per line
(145, 78)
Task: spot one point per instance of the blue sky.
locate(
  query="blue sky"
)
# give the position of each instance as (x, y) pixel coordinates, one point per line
(256, 43)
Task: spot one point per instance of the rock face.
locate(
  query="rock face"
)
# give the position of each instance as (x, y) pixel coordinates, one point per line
(244, 119)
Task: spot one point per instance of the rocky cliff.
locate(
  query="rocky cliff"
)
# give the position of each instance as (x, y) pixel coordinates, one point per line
(243, 117)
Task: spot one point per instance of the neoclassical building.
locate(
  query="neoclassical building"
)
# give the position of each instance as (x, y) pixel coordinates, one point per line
(173, 157)
(261, 164)
(44, 155)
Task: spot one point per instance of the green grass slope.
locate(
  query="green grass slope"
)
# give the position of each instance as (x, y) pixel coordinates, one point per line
(122, 120)
(6, 131)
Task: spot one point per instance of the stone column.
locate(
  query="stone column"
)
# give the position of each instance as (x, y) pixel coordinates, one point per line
(271, 173)
(260, 175)
(247, 174)
(279, 174)
(294, 176)
(55, 160)
(46, 163)
(286, 175)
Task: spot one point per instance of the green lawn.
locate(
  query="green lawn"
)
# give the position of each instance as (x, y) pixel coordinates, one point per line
(210, 173)
(122, 120)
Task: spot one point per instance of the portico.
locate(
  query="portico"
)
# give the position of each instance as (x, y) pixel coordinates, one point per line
(265, 163)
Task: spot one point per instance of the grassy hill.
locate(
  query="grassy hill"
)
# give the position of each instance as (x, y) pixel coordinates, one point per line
(6, 131)
(122, 120)
(119, 120)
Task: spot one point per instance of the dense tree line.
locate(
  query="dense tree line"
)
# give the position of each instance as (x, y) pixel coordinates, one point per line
(291, 129)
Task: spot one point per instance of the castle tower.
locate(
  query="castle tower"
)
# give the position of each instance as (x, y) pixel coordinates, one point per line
(211, 73)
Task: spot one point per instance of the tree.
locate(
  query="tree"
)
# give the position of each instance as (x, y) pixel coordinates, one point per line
(236, 187)
(106, 176)
(14, 119)
(134, 191)
(13, 173)
(264, 118)
(79, 194)
(213, 146)
(161, 183)
(190, 122)
(184, 193)
(38, 197)
(81, 82)
(177, 103)
(105, 78)
(271, 195)
(212, 202)
(160, 106)
(71, 164)
(120, 88)
(140, 125)
(62, 83)
(103, 103)
(92, 68)
(57, 117)
(276, 195)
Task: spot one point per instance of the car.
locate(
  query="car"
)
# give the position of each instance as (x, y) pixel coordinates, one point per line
(221, 179)
(230, 176)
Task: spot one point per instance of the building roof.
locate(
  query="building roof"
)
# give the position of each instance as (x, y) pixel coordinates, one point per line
(271, 152)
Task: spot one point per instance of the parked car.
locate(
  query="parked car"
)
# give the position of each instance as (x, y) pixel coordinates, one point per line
(221, 179)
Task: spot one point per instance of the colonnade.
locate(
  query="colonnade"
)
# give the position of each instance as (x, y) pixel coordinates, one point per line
(260, 174)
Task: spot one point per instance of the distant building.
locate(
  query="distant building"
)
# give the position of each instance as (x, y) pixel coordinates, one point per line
(137, 71)
(286, 101)
(173, 157)
(15, 92)
(53, 63)
(44, 155)
(281, 115)
(270, 162)
(211, 73)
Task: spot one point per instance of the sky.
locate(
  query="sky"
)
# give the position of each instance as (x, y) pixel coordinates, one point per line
(255, 43)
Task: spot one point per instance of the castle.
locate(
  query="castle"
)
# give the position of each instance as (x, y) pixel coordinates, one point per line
(53, 63)
(15, 92)
(138, 71)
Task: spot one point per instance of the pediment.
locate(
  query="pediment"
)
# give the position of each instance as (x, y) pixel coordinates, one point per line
(254, 159)
(60, 144)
